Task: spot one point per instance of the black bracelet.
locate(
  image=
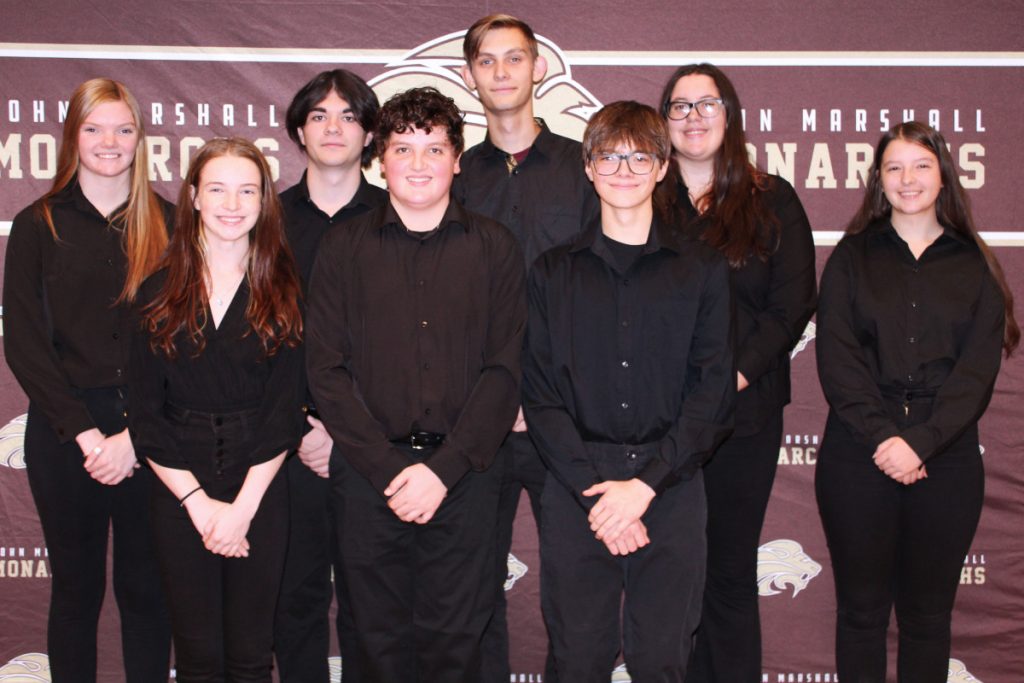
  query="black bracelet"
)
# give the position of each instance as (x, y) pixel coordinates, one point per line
(181, 503)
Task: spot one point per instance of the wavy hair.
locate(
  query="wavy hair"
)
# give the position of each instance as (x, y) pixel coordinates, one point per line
(952, 207)
(144, 237)
(179, 308)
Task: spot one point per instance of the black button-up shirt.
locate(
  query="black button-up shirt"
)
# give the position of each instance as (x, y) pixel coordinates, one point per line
(409, 334)
(636, 357)
(62, 330)
(306, 223)
(774, 299)
(890, 325)
(232, 374)
(544, 201)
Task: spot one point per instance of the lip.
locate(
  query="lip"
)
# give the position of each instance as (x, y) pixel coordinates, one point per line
(231, 220)
(418, 180)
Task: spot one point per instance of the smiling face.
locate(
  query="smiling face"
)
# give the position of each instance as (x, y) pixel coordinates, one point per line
(332, 135)
(419, 168)
(504, 71)
(911, 179)
(696, 139)
(107, 140)
(228, 199)
(625, 189)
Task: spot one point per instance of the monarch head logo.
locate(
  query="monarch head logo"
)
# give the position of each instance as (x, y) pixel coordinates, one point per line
(564, 104)
(805, 339)
(334, 669)
(958, 673)
(12, 443)
(33, 667)
(782, 563)
(516, 571)
(620, 674)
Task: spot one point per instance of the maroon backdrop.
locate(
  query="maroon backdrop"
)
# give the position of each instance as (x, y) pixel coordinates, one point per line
(819, 84)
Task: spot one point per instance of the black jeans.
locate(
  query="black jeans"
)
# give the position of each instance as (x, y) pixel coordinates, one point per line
(738, 480)
(899, 545)
(76, 513)
(420, 595)
(222, 609)
(582, 583)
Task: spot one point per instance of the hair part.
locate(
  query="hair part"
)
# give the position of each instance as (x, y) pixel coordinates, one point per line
(144, 237)
(422, 109)
(475, 34)
(347, 86)
(741, 224)
(952, 207)
(179, 308)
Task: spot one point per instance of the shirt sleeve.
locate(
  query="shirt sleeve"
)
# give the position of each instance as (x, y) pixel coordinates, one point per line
(357, 434)
(792, 292)
(280, 413)
(846, 378)
(28, 339)
(706, 416)
(490, 410)
(551, 426)
(152, 435)
(966, 392)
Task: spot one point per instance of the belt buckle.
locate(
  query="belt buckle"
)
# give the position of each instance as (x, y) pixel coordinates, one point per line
(416, 445)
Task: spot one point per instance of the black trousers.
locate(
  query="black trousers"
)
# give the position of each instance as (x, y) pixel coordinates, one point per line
(738, 480)
(420, 595)
(583, 584)
(222, 609)
(522, 469)
(896, 545)
(76, 513)
(301, 626)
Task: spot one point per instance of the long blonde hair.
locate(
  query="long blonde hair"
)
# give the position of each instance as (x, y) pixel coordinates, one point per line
(145, 232)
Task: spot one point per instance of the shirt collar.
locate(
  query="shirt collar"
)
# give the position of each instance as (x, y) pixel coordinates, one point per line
(884, 228)
(541, 144)
(660, 237)
(73, 193)
(362, 197)
(455, 215)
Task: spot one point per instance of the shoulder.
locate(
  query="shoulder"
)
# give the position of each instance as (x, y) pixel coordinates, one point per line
(489, 229)
(289, 195)
(351, 230)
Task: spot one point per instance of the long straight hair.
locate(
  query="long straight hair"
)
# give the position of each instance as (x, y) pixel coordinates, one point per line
(180, 306)
(952, 207)
(741, 223)
(144, 237)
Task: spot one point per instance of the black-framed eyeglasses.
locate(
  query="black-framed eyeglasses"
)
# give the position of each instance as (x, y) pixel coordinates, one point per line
(707, 108)
(608, 163)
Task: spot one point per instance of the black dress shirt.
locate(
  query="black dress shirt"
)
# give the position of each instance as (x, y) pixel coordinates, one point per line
(774, 299)
(231, 375)
(407, 334)
(62, 330)
(544, 200)
(306, 224)
(636, 357)
(892, 326)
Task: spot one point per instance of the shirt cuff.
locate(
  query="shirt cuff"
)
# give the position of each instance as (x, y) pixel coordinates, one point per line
(922, 439)
(657, 474)
(449, 465)
(73, 425)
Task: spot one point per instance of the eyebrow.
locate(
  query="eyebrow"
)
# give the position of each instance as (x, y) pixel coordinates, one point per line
(346, 110)
(514, 50)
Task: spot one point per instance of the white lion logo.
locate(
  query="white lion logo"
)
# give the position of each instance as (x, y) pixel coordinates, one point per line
(958, 673)
(516, 571)
(12, 443)
(782, 563)
(620, 674)
(32, 667)
(334, 667)
(805, 339)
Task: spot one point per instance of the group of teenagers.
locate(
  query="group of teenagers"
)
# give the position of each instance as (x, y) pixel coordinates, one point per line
(255, 389)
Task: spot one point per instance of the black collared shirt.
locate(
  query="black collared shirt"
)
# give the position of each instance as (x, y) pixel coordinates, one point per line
(630, 357)
(544, 201)
(891, 325)
(62, 329)
(306, 223)
(774, 299)
(232, 374)
(408, 334)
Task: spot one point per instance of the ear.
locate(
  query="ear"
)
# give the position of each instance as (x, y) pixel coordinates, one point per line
(663, 171)
(456, 169)
(589, 171)
(540, 68)
(302, 137)
(192, 195)
(367, 139)
(467, 76)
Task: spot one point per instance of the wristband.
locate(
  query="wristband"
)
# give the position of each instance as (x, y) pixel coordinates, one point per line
(181, 503)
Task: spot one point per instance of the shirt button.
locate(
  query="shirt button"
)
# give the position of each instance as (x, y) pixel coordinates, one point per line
(625, 406)
(116, 335)
(910, 378)
(625, 283)
(119, 372)
(625, 363)
(631, 455)
(913, 304)
(625, 323)
(421, 283)
(427, 411)
(423, 323)
(514, 209)
(218, 421)
(426, 366)
(912, 340)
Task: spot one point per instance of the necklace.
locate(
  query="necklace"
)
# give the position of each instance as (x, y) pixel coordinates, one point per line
(218, 299)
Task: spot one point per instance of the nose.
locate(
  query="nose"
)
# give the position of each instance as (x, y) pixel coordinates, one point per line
(906, 175)
(500, 69)
(230, 200)
(108, 138)
(419, 160)
(333, 124)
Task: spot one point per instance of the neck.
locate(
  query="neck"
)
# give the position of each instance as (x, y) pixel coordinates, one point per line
(106, 194)
(512, 131)
(917, 229)
(226, 259)
(421, 219)
(629, 226)
(697, 175)
(332, 188)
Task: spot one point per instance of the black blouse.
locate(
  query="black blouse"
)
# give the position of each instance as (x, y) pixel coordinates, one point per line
(231, 374)
(774, 299)
(62, 329)
(890, 325)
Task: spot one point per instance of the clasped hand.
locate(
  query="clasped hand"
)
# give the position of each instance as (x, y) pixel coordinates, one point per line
(415, 494)
(223, 526)
(615, 518)
(108, 459)
(896, 459)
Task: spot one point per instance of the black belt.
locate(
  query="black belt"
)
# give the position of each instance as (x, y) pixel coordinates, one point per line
(420, 440)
